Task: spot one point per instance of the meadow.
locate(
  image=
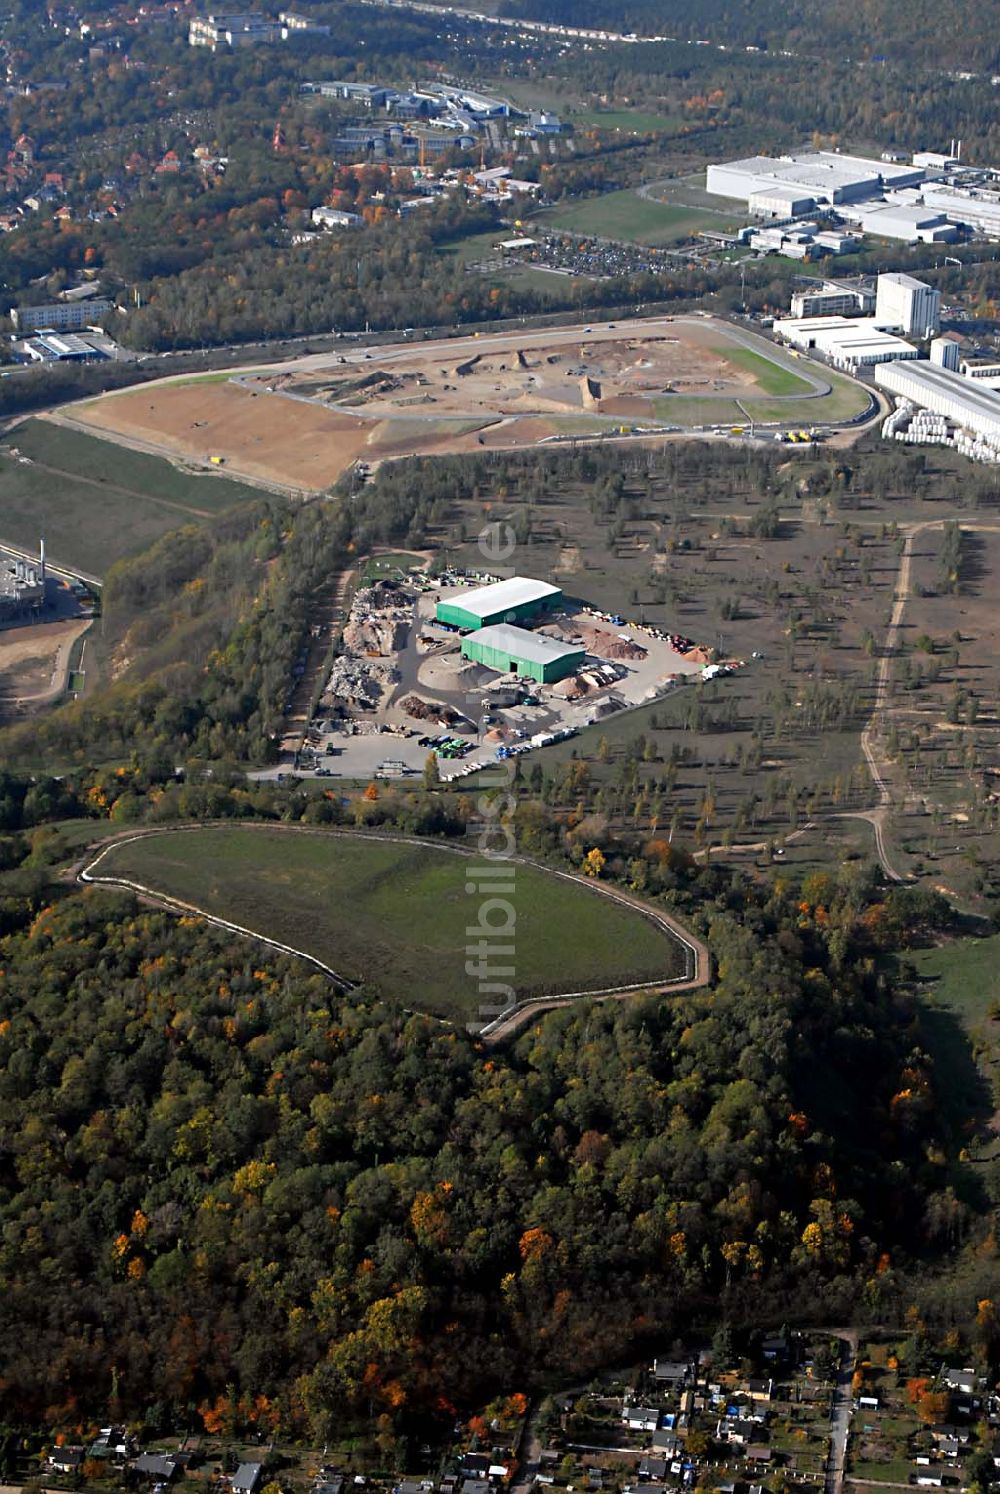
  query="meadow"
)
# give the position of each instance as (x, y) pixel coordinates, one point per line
(769, 376)
(626, 216)
(395, 915)
(96, 502)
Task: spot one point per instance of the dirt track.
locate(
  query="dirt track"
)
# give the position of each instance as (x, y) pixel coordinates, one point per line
(698, 958)
(34, 661)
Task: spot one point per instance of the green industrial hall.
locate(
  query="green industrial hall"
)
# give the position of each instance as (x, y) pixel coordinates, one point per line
(517, 651)
(515, 600)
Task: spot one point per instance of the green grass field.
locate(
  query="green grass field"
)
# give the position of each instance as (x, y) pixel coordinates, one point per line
(396, 915)
(845, 400)
(390, 566)
(770, 378)
(966, 975)
(95, 501)
(627, 216)
(959, 983)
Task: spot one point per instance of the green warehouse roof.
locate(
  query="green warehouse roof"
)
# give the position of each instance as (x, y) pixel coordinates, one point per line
(501, 596)
(533, 648)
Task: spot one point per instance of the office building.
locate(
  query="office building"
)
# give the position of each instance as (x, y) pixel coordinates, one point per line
(233, 31)
(832, 300)
(60, 316)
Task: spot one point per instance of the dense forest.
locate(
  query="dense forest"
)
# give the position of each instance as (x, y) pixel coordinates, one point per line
(229, 268)
(226, 1188)
(220, 1181)
(952, 36)
(200, 634)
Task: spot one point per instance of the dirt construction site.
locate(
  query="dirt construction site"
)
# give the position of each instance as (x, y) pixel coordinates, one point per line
(301, 424)
(627, 375)
(400, 688)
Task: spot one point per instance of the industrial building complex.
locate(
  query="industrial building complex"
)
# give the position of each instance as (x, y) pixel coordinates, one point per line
(22, 585)
(941, 401)
(479, 673)
(848, 343)
(517, 651)
(782, 186)
(515, 600)
(932, 199)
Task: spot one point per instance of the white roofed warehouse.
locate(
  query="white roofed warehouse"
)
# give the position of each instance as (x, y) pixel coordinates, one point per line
(515, 600)
(848, 342)
(820, 176)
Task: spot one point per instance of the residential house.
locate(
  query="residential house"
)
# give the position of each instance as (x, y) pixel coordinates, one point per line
(247, 1478)
(760, 1390)
(671, 1371)
(641, 1418)
(111, 1442)
(964, 1380)
(66, 1459)
(948, 1432)
(739, 1429)
(159, 1468)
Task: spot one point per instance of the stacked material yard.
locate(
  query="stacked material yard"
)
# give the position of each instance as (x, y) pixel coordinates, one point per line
(356, 684)
(609, 645)
(429, 710)
(380, 616)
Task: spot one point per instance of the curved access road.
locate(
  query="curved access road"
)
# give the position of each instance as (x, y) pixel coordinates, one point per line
(697, 972)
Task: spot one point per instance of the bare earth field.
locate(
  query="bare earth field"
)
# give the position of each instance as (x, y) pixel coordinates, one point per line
(34, 660)
(299, 426)
(294, 443)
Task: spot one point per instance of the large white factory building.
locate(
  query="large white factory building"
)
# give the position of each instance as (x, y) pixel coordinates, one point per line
(795, 183)
(849, 343)
(965, 402)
